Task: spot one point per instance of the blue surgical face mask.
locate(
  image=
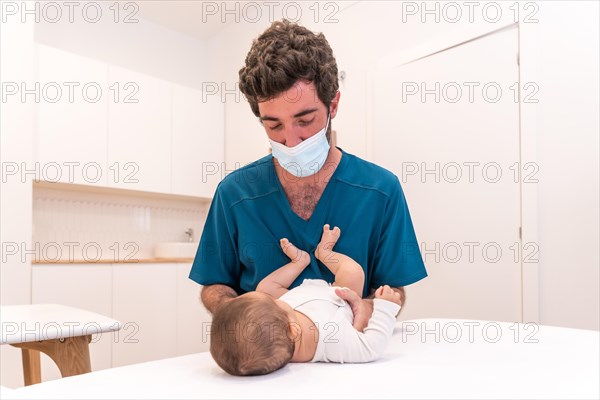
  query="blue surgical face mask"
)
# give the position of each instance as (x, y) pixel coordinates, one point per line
(307, 157)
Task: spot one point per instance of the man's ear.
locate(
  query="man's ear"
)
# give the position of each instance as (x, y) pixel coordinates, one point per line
(334, 105)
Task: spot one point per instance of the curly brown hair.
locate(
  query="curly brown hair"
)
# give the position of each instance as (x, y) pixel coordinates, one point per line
(250, 337)
(283, 54)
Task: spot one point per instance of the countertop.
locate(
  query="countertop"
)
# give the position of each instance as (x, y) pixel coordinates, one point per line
(131, 261)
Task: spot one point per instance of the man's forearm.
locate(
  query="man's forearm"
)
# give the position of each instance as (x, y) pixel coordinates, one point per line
(213, 295)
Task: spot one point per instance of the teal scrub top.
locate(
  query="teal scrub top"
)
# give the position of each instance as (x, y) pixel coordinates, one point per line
(250, 213)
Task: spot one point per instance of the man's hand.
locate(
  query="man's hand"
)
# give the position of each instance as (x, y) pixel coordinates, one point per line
(387, 293)
(362, 309)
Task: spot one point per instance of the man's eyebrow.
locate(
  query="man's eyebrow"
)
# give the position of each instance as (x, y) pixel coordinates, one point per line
(298, 115)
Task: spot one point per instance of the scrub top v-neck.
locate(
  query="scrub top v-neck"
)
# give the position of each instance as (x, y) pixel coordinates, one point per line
(317, 215)
(250, 213)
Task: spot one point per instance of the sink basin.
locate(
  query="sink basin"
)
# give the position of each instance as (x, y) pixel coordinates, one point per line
(175, 250)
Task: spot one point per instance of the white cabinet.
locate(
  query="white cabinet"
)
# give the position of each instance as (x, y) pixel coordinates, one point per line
(88, 287)
(193, 319)
(144, 300)
(198, 142)
(104, 125)
(139, 131)
(72, 124)
(157, 304)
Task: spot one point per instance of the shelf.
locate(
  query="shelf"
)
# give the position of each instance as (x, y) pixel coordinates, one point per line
(139, 261)
(75, 187)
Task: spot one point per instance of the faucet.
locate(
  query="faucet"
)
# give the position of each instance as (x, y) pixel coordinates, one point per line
(190, 235)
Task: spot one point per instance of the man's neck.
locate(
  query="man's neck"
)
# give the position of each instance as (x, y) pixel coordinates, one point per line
(303, 194)
(321, 177)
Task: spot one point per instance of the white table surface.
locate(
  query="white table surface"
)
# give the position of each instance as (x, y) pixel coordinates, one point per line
(33, 322)
(429, 358)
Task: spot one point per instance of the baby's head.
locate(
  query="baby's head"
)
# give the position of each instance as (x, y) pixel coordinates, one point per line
(250, 335)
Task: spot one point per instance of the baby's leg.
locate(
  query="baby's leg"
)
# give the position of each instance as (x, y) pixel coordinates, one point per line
(294, 253)
(347, 272)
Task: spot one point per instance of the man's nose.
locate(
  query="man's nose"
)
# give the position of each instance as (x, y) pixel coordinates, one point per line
(292, 138)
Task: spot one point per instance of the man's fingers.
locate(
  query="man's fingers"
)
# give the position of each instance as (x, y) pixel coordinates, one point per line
(351, 298)
(347, 294)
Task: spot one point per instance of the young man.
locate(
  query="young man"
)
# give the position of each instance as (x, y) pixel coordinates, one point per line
(290, 80)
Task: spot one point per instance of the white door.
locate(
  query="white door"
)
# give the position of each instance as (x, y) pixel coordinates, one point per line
(448, 126)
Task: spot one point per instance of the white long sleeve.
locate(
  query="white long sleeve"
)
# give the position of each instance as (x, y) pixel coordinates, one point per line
(351, 346)
(338, 340)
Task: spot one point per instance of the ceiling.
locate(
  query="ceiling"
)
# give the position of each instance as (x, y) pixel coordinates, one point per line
(202, 19)
(186, 16)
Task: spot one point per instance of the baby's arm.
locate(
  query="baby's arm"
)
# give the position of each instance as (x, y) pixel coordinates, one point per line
(356, 347)
(386, 305)
(375, 338)
(348, 273)
(277, 282)
(385, 292)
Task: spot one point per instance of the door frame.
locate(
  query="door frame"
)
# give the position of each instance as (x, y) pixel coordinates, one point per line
(526, 59)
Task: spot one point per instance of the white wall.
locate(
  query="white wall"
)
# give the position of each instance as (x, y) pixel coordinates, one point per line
(143, 46)
(568, 157)
(16, 150)
(360, 33)
(367, 32)
(245, 140)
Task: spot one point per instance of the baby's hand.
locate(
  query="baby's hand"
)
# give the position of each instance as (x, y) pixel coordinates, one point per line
(387, 293)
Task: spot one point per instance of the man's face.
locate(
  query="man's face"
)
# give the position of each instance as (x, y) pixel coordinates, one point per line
(295, 115)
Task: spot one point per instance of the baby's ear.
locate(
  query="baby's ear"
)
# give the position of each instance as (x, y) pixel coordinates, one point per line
(294, 331)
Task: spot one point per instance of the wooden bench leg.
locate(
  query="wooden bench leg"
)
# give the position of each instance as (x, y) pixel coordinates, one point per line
(71, 355)
(32, 371)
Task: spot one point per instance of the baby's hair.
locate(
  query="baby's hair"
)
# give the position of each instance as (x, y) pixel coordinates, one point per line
(251, 337)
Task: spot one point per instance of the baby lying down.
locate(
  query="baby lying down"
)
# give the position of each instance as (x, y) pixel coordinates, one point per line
(260, 332)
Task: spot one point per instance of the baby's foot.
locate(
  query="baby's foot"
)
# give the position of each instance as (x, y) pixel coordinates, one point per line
(328, 240)
(294, 253)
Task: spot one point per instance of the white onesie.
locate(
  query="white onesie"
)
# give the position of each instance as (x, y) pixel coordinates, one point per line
(338, 340)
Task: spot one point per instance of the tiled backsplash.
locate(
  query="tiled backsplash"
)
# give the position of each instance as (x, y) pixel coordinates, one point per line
(91, 225)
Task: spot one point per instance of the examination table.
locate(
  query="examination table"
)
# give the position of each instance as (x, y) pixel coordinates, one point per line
(427, 358)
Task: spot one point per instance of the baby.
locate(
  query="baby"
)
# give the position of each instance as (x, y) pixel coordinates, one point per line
(261, 331)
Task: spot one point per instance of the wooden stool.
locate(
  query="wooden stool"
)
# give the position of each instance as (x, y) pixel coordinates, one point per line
(63, 333)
